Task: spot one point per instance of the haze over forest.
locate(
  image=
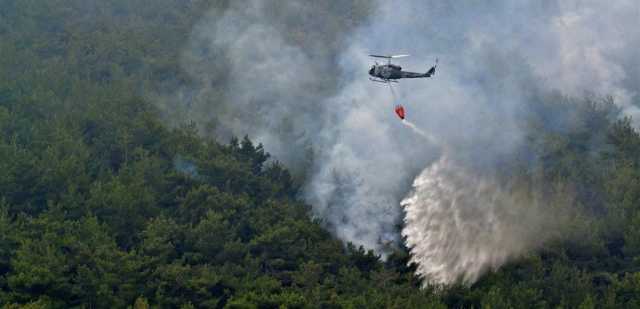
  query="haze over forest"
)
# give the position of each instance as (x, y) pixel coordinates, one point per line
(234, 154)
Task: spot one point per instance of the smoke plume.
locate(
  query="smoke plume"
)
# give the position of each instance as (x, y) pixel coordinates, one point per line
(292, 75)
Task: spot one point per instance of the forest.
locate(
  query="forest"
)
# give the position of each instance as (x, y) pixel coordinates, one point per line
(103, 204)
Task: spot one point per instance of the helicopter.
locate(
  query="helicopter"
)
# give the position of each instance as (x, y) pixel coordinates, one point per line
(388, 73)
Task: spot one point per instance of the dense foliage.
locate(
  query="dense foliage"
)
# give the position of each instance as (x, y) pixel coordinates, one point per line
(103, 206)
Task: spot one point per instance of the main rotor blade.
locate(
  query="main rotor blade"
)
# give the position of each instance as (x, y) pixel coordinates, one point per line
(388, 56)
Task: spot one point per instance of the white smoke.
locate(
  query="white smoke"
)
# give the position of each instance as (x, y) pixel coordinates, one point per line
(280, 90)
(295, 81)
(240, 57)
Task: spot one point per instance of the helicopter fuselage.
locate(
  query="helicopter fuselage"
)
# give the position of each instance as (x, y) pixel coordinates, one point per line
(387, 72)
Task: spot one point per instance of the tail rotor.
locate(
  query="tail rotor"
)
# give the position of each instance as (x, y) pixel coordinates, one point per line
(432, 71)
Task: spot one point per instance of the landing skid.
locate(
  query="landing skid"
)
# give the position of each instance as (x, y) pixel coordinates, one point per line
(385, 81)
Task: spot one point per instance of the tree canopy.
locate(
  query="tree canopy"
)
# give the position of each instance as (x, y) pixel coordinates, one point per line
(103, 205)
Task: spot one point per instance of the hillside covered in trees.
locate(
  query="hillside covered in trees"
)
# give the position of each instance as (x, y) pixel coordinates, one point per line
(104, 205)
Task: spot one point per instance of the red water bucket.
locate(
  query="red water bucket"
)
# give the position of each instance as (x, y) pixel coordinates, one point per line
(400, 111)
